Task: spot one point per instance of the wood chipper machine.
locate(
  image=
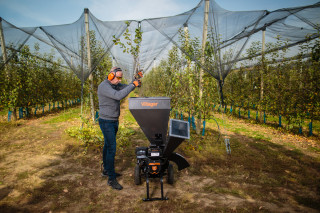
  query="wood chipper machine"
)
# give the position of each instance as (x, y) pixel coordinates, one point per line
(152, 115)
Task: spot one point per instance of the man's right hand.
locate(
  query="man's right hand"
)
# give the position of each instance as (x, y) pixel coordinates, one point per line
(137, 83)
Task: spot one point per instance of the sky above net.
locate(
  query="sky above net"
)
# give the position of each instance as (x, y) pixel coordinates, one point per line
(238, 30)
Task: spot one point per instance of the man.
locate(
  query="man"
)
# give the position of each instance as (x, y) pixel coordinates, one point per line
(110, 92)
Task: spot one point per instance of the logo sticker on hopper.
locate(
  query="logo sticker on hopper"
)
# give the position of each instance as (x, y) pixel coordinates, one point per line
(149, 104)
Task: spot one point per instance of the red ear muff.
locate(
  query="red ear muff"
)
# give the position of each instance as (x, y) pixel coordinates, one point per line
(111, 76)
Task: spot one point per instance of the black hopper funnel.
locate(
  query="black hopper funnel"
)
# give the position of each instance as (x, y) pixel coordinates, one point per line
(152, 115)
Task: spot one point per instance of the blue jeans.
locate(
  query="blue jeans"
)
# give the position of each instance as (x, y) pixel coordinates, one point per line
(109, 129)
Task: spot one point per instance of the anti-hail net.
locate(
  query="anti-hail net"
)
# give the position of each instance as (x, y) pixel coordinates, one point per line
(230, 34)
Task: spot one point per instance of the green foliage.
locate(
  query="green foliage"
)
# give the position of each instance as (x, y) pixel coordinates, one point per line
(131, 46)
(31, 79)
(123, 137)
(178, 78)
(291, 87)
(91, 136)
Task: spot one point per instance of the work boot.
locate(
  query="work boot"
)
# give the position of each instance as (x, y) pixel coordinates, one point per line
(104, 173)
(114, 184)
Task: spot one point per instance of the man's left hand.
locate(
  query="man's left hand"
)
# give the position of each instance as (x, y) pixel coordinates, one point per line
(140, 74)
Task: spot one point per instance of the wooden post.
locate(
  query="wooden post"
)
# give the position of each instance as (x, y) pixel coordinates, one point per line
(86, 20)
(5, 58)
(3, 45)
(204, 40)
(262, 70)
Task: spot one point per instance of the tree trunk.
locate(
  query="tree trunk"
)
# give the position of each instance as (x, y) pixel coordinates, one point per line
(262, 73)
(91, 98)
(14, 114)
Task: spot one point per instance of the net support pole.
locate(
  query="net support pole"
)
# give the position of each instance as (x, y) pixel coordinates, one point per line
(5, 58)
(262, 70)
(3, 46)
(86, 21)
(204, 40)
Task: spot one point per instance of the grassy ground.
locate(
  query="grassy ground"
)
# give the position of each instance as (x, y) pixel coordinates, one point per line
(273, 121)
(43, 169)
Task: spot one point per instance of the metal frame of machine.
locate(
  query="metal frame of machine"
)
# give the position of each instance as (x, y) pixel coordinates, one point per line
(152, 115)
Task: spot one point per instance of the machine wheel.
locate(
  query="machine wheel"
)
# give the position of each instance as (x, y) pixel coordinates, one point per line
(137, 176)
(170, 174)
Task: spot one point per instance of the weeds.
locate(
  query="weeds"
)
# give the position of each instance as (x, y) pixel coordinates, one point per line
(123, 136)
(91, 136)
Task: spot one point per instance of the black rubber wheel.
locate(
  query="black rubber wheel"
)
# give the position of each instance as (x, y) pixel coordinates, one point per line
(137, 176)
(170, 174)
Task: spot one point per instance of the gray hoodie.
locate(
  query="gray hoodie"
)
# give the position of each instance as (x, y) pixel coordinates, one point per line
(109, 99)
